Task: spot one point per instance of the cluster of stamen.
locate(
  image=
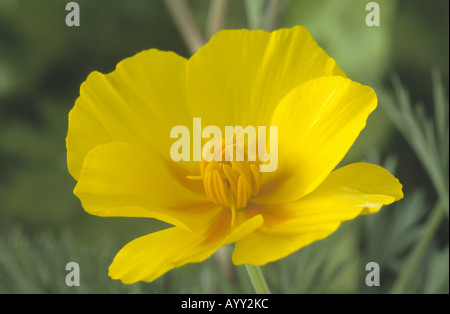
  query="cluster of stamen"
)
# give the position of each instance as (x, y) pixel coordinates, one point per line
(228, 180)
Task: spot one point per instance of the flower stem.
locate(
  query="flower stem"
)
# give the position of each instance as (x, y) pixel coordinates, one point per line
(184, 20)
(271, 15)
(254, 10)
(257, 279)
(414, 258)
(216, 16)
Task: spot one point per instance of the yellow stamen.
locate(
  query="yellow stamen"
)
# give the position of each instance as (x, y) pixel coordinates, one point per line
(195, 177)
(230, 183)
(256, 178)
(233, 213)
(219, 185)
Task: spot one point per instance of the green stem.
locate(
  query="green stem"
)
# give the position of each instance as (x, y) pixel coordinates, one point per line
(415, 257)
(257, 279)
(216, 16)
(271, 15)
(254, 10)
(184, 20)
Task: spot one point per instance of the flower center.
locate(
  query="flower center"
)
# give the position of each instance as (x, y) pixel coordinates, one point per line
(230, 181)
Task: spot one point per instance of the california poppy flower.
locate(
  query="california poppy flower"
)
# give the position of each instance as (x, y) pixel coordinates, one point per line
(118, 149)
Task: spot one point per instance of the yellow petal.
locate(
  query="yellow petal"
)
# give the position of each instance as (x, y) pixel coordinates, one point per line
(239, 76)
(148, 257)
(119, 179)
(138, 103)
(317, 124)
(244, 227)
(260, 247)
(352, 190)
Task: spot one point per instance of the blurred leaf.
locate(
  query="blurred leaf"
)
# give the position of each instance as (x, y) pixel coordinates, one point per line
(438, 273)
(36, 264)
(429, 138)
(387, 235)
(324, 266)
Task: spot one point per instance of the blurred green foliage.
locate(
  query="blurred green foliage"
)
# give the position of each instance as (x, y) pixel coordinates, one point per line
(43, 226)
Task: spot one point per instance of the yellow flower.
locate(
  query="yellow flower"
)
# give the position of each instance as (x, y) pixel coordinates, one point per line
(119, 145)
